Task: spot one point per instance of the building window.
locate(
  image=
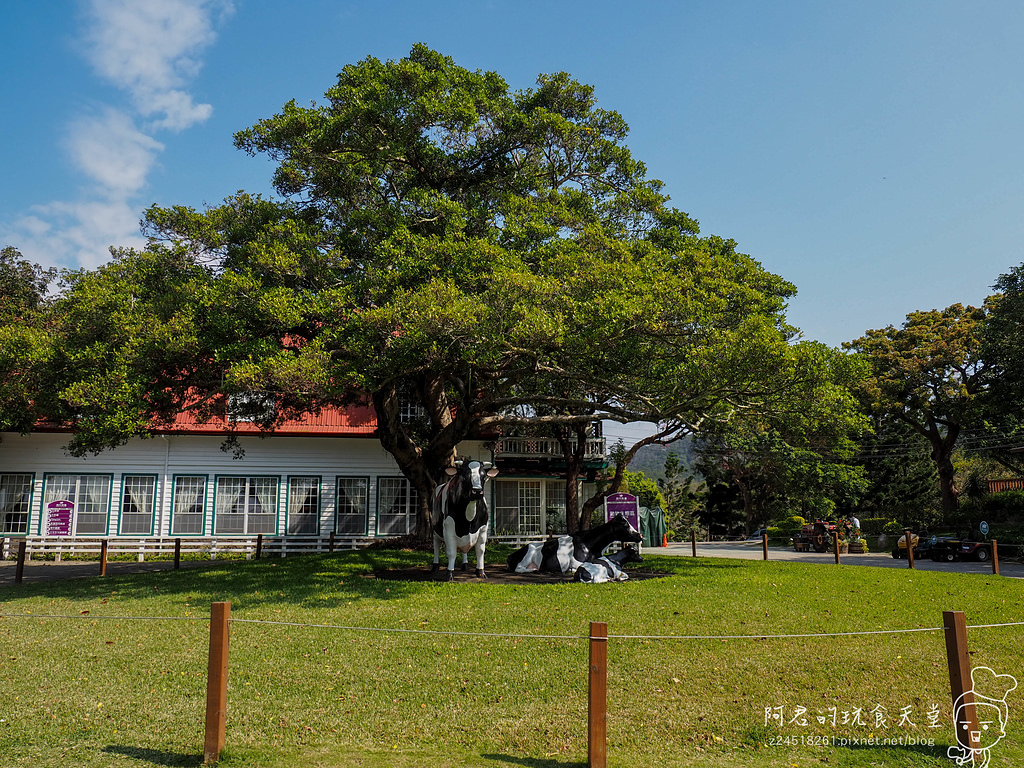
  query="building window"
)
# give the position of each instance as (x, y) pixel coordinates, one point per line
(245, 505)
(137, 503)
(76, 503)
(554, 507)
(15, 501)
(397, 502)
(304, 505)
(189, 511)
(517, 508)
(353, 503)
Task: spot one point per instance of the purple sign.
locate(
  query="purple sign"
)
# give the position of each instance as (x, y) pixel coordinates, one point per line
(58, 517)
(624, 504)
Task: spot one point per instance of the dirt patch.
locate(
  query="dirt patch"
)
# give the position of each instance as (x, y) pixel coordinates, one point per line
(496, 574)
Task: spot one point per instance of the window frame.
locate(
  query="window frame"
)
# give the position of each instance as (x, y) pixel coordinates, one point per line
(174, 491)
(31, 497)
(248, 485)
(152, 512)
(366, 504)
(410, 512)
(43, 514)
(318, 479)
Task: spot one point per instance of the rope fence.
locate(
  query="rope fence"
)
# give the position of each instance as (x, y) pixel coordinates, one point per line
(954, 627)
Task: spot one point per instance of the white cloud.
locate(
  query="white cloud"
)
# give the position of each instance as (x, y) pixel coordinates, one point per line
(76, 234)
(150, 48)
(111, 151)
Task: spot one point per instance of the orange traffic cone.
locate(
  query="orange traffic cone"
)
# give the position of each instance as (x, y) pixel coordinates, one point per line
(664, 540)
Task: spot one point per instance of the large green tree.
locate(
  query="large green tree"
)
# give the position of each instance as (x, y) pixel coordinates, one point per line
(496, 257)
(1001, 340)
(24, 339)
(793, 459)
(929, 374)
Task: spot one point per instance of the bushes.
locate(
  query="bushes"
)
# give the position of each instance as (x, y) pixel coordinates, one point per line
(874, 526)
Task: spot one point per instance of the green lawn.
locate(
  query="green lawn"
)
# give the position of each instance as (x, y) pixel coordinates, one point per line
(94, 691)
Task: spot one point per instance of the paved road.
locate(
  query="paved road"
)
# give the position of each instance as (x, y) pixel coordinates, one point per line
(39, 570)
(753, 551)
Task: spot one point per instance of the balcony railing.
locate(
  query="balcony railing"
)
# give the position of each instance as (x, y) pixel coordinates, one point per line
(544, 448)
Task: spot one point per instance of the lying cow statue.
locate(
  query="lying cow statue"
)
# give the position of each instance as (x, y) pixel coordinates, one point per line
(459, 515)
(564, 554)
(608, 568)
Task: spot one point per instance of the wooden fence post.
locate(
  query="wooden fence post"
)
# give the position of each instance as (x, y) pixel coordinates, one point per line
(961, 688)
(217, 682)
(835, 545)
(995, 557)
(764, 544)
(177, 554)
(693, 541)
(19, 569)
(597, 705)
(910, 547)
(330, 546)
(259, 546)
(103, 558)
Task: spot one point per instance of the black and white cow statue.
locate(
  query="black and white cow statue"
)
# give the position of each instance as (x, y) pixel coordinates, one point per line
(608, 568)
(460, 517)
(565, 554)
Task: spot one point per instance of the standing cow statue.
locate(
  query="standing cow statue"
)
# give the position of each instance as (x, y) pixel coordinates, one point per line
(459, 514)
(565, 554)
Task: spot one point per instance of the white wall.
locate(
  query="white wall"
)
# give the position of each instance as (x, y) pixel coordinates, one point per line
(167, 457)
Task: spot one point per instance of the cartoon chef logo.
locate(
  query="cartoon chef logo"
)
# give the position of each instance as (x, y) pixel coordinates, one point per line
(976, 739)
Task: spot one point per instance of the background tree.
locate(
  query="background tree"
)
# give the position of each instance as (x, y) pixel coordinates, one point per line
(793, 459)
(902, 482)
(496, 258)
(25, 342)
(929, 374)
(1001, 340)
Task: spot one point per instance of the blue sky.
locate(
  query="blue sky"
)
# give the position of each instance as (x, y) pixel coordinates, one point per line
(868, 152)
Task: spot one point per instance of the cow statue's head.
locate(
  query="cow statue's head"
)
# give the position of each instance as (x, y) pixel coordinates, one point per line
(623, 529)
(474, 475)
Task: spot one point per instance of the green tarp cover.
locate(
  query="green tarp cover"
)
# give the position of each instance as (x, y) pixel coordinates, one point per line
(652, 526)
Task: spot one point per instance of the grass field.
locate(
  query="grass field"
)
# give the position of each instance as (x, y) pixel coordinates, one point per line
(96, 691)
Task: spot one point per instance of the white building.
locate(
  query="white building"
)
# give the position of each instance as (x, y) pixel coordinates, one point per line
(324, 474)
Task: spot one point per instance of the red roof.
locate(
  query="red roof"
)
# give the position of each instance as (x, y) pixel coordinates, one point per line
(354, 420)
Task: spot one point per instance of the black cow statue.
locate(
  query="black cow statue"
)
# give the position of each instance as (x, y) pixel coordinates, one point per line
(564, 554)
(460, 516)
(608, 568)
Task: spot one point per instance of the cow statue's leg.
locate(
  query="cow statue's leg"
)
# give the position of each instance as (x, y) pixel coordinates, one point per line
(437, 554)
(450, 546)
(481, 546)
(465, 561)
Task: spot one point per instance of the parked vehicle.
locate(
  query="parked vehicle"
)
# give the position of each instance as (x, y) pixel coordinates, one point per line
(961, 547)
(922, 543)
(816, 536)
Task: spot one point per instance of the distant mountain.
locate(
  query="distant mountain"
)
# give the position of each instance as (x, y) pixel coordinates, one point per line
(651, 458)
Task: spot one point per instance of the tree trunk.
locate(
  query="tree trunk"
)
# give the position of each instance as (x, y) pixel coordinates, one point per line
(942, 454)
(620, 468)
(573, 456)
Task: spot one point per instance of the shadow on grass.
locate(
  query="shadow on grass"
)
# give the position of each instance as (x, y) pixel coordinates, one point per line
(154, 756)
(313, 580)
(533, 762)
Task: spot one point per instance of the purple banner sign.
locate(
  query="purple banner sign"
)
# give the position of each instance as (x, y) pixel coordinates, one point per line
(58, 517)
(624, 504)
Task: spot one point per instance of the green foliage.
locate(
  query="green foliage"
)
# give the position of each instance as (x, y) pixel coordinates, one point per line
(930, 375)
(497, 257)
(874, 526)
(645, 489)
